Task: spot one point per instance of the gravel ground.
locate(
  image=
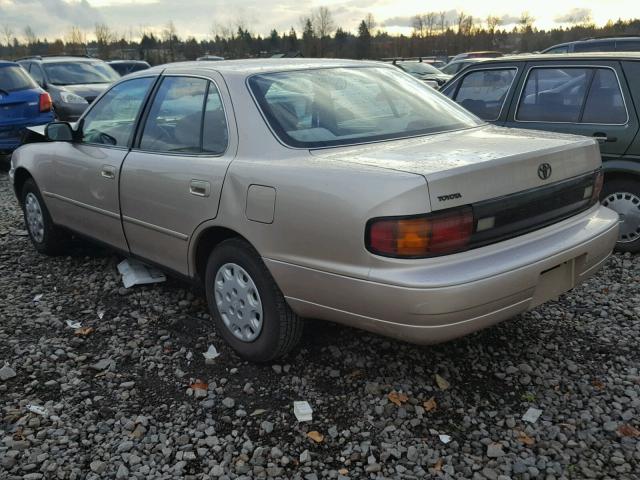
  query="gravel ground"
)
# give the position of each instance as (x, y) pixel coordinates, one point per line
(119, 404)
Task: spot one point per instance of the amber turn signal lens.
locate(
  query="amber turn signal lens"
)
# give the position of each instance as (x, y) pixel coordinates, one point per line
(421, 236)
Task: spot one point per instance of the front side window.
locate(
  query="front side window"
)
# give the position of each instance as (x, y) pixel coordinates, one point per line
(36, 73)
(341, 106)
(14, 78)
(112, 119)
(572, 95)
(608, 46)
(186, 117)
(484, 92)
(80, 73)
(628, 45)
(562, 49)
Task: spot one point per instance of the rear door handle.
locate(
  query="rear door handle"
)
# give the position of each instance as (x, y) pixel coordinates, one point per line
(200, 188)
(603, 138)
(108, 171)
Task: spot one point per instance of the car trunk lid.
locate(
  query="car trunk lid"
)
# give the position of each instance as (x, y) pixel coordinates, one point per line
(470, 166)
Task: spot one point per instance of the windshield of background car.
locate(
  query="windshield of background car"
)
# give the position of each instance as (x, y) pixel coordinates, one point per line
(14, 78)
(80, 73)
(341, 106)
(419, 68)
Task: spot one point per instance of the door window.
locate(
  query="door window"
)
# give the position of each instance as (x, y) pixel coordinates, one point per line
(484, 92)
(186, 117)
(628, 45)
(36, 73)
(572, 95)
(112, 119)
(607, 46)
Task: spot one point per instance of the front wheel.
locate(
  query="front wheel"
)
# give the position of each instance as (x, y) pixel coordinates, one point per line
(247, 306)
(623, 196)
(45, 236)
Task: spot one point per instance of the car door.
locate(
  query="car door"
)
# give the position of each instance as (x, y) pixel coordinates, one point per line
(172, 180)
(486, 92)
(583, 98)
(84, 174)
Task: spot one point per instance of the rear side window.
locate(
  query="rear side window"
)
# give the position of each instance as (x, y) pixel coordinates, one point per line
(186, 117)
(572, 95)
(14, 78)
(563, 49)
(484, 92)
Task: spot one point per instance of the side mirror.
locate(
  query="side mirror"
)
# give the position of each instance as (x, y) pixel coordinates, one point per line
(59, 132)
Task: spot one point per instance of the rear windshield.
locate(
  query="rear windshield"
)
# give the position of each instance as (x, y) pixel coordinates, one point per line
(79, 73)
(341, 106)
(14, 78)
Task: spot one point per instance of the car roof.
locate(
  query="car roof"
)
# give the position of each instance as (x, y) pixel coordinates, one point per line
(264, 65)
(4, 63)
(533, 57)
(127, 61)
(60, 58)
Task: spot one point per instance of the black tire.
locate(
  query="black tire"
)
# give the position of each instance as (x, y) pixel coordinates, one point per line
(627, 192)
(54, 240)
(281, 327)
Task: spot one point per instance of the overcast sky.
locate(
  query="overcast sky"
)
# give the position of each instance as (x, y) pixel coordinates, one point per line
(52, 18)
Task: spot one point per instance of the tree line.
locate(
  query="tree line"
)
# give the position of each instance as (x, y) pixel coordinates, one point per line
(433, 34)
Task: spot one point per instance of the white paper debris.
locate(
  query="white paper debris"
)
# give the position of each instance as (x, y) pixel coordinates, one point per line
(100, 314)
(136, 273)
(38, 297)
(532, 415)
(38, 410)
(189, 356)
(303, 411)
(211, 354)
(74, 325)
(444, 438)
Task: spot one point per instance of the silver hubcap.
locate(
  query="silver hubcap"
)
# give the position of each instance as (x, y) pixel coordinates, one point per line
(35, 220)
(627, 205)
(238, 302)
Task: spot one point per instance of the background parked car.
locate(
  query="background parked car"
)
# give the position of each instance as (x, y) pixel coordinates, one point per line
(456, 66)
(601, 44)
(22, 104)
(482, 54)
(423, 71)
(595, 94)
(72, 82)
(124, 67)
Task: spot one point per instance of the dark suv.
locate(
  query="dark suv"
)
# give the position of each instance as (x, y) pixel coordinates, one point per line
(596, 94)
(72, 82)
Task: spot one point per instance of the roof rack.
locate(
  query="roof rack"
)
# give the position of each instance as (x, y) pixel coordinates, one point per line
(604, 37)
(40, 57)
(405, 59)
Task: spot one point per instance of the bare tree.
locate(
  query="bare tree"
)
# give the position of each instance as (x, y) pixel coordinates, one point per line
(324, 27)
(526, 21)
(30, 37)
(76, 41)
(443, 24)
(370, 21)
(493, 23)
(7, 34)
(429, 22)
(169, 36)
(418, 26)
(104, 38)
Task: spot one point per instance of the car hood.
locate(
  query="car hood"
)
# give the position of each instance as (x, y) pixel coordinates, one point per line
(476, 164)
(88, 91)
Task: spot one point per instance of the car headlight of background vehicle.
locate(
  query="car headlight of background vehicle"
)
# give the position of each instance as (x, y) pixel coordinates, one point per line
(68, 97)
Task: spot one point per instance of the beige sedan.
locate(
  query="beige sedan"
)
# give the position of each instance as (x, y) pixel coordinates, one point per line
(337, 190)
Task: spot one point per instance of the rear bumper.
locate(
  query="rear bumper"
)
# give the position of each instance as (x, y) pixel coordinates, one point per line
(11, 135)
(440, 299)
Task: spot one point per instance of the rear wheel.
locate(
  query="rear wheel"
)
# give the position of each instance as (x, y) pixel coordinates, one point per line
(247, 306)
(623, 196)
(46, 237)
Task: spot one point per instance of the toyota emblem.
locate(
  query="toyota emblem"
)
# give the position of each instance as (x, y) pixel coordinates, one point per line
(544, 171)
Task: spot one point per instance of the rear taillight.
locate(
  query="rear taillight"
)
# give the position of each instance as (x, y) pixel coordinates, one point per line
(420, 236)
(45, 102)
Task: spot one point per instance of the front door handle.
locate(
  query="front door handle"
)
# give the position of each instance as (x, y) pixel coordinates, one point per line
(108, 171)
(603, 138)
(200, 188)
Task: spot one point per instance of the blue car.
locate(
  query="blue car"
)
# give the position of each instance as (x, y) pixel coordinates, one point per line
(22, 104)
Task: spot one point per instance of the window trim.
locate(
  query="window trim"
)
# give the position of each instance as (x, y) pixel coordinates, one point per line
(80, 122)
(135, 147)
(482, 123)
(584, 66)
(469, 72)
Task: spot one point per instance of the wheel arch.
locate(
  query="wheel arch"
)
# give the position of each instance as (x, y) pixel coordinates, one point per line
(621, 169)
(20, 176)
(204, 243)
